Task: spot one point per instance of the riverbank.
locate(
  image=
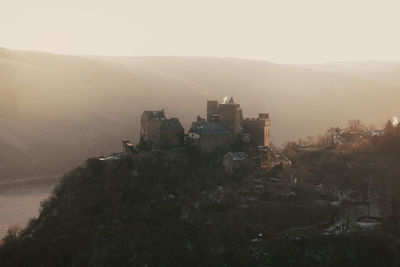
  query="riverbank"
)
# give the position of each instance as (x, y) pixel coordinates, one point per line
(20, 199)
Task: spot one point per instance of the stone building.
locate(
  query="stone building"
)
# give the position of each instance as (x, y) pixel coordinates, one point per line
(171, 133)
(208, 136)
(234, 161)
(225, 126)
(212, 110)
(150, 124)
(228, 114)
(157, 129)
(258, 129)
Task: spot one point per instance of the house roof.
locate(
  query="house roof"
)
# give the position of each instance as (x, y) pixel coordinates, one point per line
(171, 124)
(209, 128)
(200, 119)
(236, 155)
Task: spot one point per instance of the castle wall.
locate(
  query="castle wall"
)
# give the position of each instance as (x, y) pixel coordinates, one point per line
(209, 142)
(229, 117)
(266, 125)
(171, 137)
(258, 129)
(150, 130)
(211, 106)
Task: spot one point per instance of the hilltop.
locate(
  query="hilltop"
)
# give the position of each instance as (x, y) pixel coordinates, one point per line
(178, 207)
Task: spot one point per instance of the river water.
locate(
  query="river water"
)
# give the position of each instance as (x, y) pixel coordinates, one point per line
(20, 200)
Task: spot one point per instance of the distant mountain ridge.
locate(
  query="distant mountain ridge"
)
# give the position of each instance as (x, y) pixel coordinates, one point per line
(55, 110)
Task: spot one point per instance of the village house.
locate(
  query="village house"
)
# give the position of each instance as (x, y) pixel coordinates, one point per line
(234, 161)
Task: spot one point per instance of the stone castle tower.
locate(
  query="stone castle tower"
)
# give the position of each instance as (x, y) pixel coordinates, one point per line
(258, 128)
(212, 110)
(230, 116)
(150, 124)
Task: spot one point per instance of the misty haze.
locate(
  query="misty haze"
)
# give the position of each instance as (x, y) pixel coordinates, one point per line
(58, 110)
(188, 133)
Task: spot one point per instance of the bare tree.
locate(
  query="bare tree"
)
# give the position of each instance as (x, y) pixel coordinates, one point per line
(12, 233)
(355, 126)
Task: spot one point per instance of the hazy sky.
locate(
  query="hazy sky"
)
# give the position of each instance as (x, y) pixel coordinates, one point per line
(283, 31)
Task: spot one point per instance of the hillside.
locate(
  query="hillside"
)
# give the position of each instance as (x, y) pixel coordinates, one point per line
(178, 208)
(55, 110)
(384, 72)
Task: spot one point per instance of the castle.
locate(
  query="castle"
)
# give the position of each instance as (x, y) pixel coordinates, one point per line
(223, 127)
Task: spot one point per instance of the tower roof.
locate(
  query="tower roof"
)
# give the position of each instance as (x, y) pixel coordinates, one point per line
(155, 115)
(231, 101)
(209, 128)
(171, 124)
